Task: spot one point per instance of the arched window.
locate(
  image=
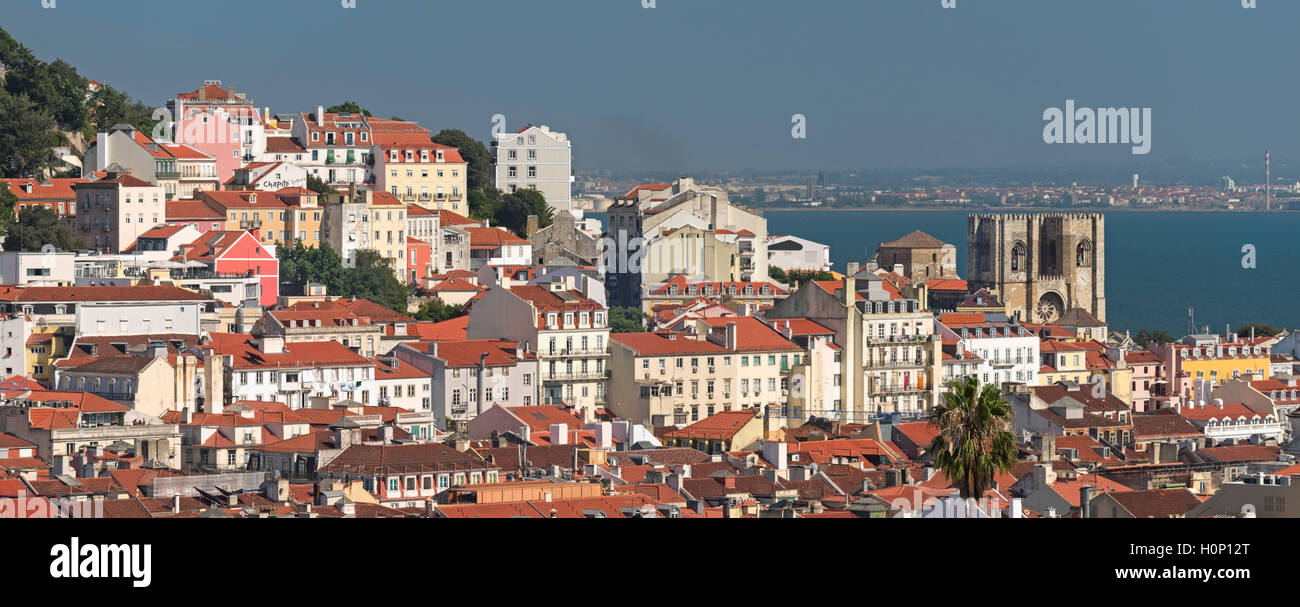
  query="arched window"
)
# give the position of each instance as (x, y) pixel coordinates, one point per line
(1083, 253)
(1017, 254)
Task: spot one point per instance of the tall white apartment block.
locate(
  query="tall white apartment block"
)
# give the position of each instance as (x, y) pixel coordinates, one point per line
(535, 157)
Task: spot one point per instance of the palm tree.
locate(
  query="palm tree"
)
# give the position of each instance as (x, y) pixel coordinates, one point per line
(975, 439)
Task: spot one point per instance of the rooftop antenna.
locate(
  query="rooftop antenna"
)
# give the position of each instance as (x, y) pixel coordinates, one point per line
(1191, 322)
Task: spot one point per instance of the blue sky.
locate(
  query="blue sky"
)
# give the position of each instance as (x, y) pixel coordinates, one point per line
(712, 84)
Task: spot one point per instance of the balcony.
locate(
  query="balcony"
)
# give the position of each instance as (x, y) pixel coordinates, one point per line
(250, 224)
(167, 174)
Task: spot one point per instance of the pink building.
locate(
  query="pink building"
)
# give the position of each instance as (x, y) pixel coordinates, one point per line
(220, 122)
(1148, 378)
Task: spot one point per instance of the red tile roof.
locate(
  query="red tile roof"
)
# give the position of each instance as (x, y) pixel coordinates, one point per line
(719, 426)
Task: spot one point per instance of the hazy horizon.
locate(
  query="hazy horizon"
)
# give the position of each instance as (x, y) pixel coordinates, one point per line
(711, 85)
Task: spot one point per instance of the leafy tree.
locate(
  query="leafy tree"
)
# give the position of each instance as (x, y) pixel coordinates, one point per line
(974, 439)
(69, 106)
(371, 279)
(1261, 330)
(36, 227)
(109, 106)
(350, 107)
(8, 202)
(318, 185)
(1146, 337)
(479, 171)
(26, 136)
(483, 204)
(626, 320)
(513, 211)
(437, 311)
(797, 278)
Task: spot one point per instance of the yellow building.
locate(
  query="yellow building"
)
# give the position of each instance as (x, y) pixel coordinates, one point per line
(305, 216)
(262, 212)
(1063, 361)
(1218, 362)
(416, 170)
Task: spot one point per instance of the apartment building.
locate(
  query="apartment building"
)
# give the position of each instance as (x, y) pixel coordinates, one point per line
(472, 375)
(748, 297)
(63, 423)
(682, 229)
(268, 369)
(308, 324)
(367, 220)
(676, 379)
(1009, 351)
(535, 157)
(114, 211)
(220, 122)
(568, 331)
(262, 213)
(891, 358)
(417, 171)
(234, 255)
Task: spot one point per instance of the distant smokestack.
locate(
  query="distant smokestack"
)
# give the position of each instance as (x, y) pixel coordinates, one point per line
(1268, 182)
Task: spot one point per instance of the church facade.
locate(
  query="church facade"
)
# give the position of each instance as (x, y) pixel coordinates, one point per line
(1041, 265)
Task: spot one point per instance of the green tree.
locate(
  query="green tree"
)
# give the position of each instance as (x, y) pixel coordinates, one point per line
(318, 185)
(1146, 337)
(626, 320)
(350, 107)
(109, 107)
(69, 106)
(777, 274)
(1261, 330)
(372, 277)
(36, 227)
(8, 202)
(26, 136)
(974, 439)
(484, 203)
(438, 311)
(479, 172)
(513, 211)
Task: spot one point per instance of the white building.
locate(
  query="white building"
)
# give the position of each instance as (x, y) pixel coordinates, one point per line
(538, 158)
(50, 268)
(1008, 351)
(794, 253)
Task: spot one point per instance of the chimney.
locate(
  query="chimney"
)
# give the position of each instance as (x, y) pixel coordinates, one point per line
(604, 435)
(1017, 507)
(731, 336)
(559, 434)
(386, 435)
(1044, 476)
(186, 416)
(1085, 501)
(214, 377)
(851, 268)
(775, 453)
(176, 503)
(320, 115)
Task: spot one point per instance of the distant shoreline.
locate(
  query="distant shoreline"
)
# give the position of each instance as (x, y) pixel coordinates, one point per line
(1022, 209)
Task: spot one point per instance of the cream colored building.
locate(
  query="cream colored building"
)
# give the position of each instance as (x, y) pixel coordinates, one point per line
(568, 331)
(535, 157)
(681, 228)
(418, 171)
(676, 379)
(367, 220)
